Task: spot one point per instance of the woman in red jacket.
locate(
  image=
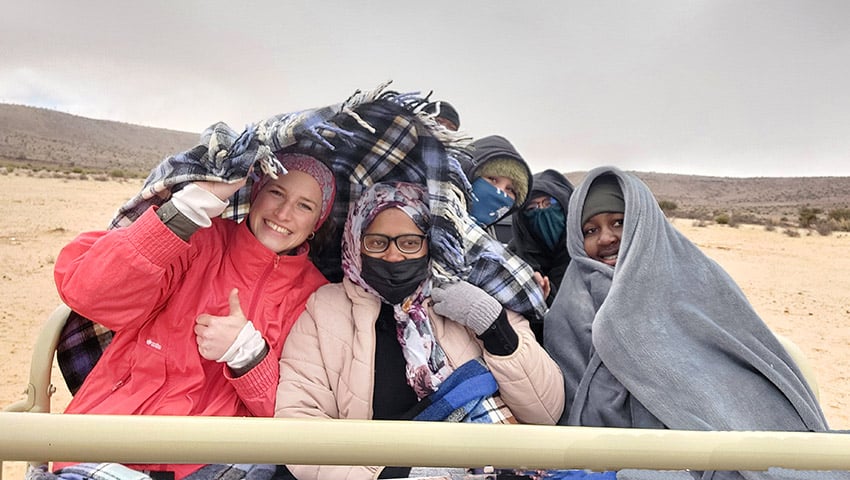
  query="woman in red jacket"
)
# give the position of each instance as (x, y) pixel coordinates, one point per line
(200, 305)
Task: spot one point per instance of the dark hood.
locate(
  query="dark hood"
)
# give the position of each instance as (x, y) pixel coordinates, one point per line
(531, 248)
(488, 148)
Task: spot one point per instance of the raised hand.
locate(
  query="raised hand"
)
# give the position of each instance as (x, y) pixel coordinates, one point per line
(543, 282)
(466, 304)
(222, 190)
(215, 335)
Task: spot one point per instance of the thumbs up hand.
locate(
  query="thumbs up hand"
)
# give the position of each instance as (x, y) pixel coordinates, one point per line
(215, 335)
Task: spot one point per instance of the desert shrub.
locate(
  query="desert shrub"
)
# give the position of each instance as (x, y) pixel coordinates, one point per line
(823, 227)
(699, 223)
(100, 177)
(721, 219)
(738, 218)
(667, 206)
(808, 216)
(685, 214)
(117, 173)
(769, 225)
(834, 225)
(839, 214)
(703, 215)
(840, 225)
(77, 170)
(694, 213)
(791, 232)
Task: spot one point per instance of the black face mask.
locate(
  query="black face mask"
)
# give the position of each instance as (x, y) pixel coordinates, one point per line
(394, 280)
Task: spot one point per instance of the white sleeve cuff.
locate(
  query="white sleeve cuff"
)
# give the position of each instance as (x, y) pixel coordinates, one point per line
(198, 205)
(249, 344)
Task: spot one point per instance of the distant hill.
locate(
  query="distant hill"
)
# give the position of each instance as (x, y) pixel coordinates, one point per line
(39, 138)
(42, 138)
(763, 197)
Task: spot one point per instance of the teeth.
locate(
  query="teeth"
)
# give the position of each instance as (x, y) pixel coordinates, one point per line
(610, 257)
(277, 228)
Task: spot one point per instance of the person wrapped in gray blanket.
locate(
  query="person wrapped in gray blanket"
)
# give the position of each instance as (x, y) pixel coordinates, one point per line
(651, 333)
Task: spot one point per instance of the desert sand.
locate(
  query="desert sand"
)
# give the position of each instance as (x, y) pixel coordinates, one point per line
(800, 286)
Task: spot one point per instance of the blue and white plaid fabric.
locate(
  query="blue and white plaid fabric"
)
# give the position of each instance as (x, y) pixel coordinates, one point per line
(81, 344)
(375, 136)
(117, 471)
(468, 395)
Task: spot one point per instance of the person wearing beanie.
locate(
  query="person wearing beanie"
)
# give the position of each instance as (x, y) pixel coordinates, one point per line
(444, 114)
(500, 180)
(539, 232)
(650, 332)
(602, 219)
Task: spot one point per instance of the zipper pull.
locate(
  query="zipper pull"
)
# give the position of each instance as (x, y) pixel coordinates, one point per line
(118, 384)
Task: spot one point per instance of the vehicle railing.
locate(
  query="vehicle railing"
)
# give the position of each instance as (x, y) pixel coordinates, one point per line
(173, 439)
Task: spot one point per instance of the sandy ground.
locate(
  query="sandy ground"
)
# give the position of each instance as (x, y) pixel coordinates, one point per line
(800, 286)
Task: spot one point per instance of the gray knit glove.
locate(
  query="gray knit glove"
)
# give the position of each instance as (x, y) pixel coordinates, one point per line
(467, 305)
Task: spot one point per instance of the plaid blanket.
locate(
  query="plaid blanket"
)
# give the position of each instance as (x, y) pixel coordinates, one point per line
(389, 139)
(117, 471)
(371, 137)
(81, 344)
(87, 471)
(470, 395)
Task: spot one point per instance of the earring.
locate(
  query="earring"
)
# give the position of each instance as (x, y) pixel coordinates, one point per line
(311, 236)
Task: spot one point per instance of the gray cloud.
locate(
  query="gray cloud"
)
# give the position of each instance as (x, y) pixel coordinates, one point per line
(714, 87)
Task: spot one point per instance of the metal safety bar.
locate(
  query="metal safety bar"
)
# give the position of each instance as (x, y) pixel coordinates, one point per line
(171, 439)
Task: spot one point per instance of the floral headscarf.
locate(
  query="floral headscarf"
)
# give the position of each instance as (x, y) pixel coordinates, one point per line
(426, 361)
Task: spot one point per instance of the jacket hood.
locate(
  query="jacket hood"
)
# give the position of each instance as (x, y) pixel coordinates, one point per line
(527, 245)
(495, 147)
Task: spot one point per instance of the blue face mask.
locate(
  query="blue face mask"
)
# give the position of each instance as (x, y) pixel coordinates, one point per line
(489, 203)
(547, 223)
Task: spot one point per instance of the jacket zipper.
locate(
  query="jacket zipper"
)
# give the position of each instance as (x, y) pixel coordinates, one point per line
(258, 290)
(120, 383)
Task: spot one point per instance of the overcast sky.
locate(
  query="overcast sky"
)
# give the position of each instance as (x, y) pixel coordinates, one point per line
(709, 87)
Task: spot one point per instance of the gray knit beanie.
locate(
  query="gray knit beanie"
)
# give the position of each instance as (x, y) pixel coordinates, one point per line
(603, 196)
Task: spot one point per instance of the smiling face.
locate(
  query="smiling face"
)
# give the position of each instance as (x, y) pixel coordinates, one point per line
(602, 233)
(285, 211)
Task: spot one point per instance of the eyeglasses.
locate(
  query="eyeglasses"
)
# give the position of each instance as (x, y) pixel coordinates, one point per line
(542, 203)
(408, 243)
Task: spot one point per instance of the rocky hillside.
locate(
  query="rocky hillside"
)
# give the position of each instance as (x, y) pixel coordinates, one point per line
(41, 138)
(763, 197)
(38, 138)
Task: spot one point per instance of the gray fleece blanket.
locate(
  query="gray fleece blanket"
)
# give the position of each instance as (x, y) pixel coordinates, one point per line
(666, 339)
